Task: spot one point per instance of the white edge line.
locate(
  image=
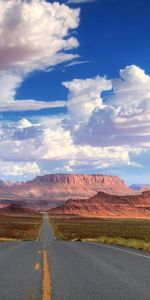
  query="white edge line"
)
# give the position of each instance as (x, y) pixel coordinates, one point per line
(38, 237)
(119, 249)
(52, 230)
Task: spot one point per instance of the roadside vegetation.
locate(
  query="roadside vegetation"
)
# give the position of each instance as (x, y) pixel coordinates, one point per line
(14, 228)
(133, 233)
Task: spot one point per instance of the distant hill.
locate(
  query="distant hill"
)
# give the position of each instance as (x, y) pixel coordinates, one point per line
(139, 187)
(16, 209)
(106, 205)
(50, 190)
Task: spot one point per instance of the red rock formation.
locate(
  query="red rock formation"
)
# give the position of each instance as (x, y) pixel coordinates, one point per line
(63, 186)
(105, 205)
(54, 188)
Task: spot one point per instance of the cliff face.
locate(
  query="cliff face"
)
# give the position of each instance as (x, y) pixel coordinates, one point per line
(105, 205)
(65, 186)
(113, 183)
(60, 187)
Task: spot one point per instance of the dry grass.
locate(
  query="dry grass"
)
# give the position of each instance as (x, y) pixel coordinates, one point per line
(133, 233)
(131, 243)
(14, 228)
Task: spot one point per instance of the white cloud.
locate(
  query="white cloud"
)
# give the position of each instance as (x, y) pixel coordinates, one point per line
(30, 142)
(123, 119)
(24, 123)
(80, 1)
(131, 88)
(19, 169)
(77, 62)
(84, 96)
(24, 105)
(25, 46)
(32, 46)
(8, 84)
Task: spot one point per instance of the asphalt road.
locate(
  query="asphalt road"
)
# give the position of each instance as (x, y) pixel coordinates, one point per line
(78, 271)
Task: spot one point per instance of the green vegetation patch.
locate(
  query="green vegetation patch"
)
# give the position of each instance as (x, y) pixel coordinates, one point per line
(14, 228)
(126, 232)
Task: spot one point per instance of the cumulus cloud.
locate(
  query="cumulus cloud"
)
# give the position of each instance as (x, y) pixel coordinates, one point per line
(131, 88)
(31, 46)
(30, 141)
(24, 123)
(122, 119)
(52, 148)
(84, 96)
(9, 82)
(19, 169)
(25, 46)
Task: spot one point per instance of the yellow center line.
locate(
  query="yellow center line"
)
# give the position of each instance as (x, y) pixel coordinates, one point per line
(37, 266)
(46, 277)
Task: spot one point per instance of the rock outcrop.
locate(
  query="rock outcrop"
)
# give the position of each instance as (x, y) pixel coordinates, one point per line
(106, 205)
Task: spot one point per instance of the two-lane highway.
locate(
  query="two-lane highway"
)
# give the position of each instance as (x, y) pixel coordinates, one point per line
(72, 270)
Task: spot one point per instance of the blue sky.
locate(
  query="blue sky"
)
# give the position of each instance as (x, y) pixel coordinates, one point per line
(75, 88)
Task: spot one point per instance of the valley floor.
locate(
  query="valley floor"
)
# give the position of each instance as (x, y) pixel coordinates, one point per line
(19, 227)
(133, 233)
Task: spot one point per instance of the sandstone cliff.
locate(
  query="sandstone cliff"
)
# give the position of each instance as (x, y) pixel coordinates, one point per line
(64, 186)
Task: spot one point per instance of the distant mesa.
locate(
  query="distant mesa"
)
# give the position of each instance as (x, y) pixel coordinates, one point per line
(51, 190)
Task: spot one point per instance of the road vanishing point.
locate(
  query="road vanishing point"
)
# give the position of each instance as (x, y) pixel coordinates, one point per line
(57, 270)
